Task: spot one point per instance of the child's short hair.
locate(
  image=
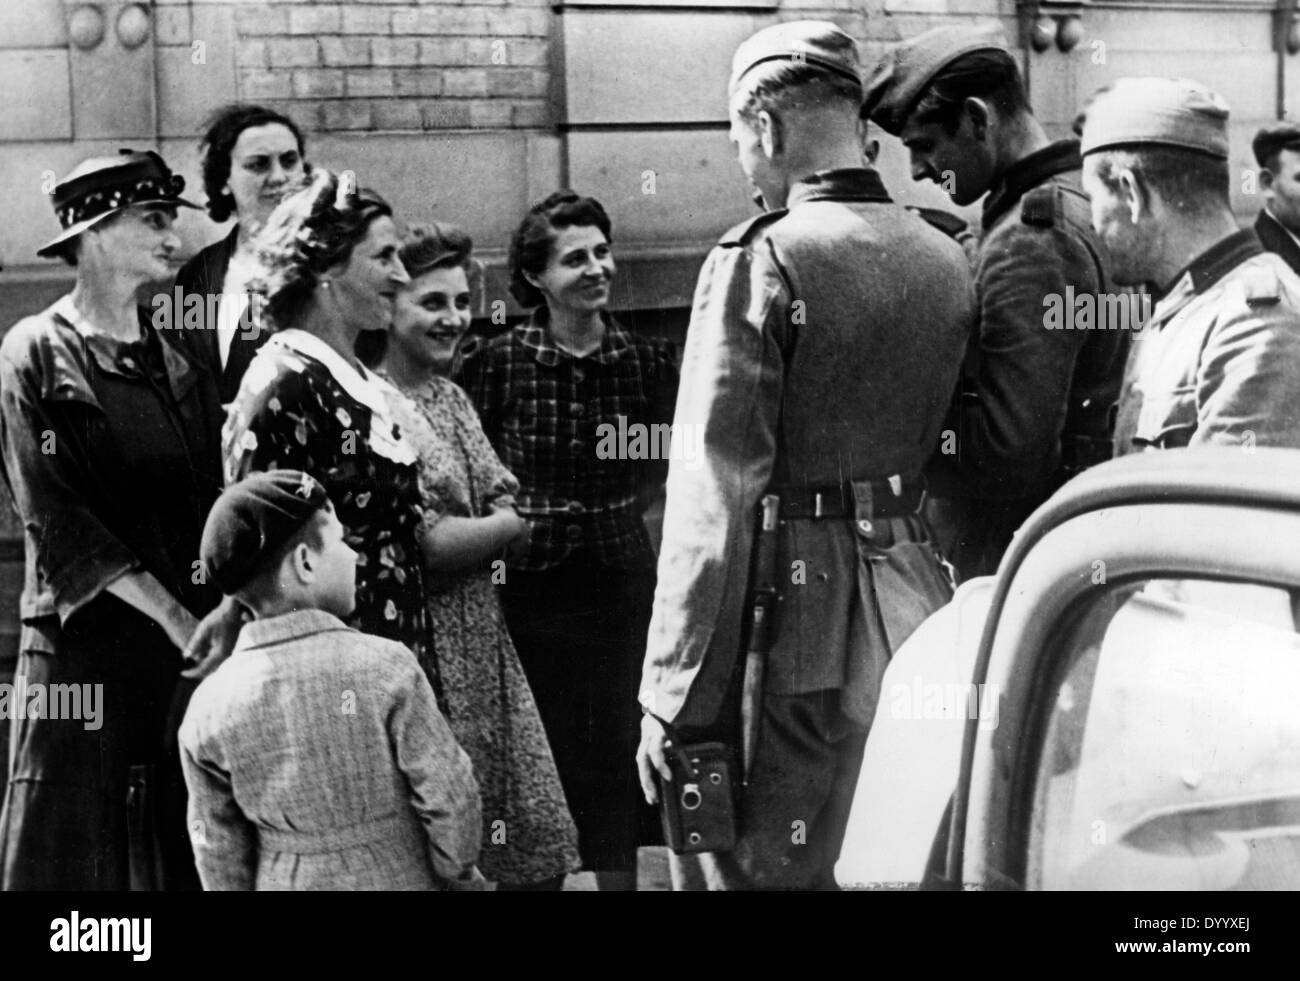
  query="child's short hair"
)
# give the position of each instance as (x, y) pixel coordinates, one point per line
(265, 581)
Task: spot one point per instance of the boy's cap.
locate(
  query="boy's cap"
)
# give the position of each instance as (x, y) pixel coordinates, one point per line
(252, 519)
(900, 79)
(1173, 112)
(801, 42)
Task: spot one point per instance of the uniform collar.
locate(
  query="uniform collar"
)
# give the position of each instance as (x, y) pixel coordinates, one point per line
(286, 627)
(1204, 271)
(1026, 174)
(536, 338)
(849, 184)
(1215, 262)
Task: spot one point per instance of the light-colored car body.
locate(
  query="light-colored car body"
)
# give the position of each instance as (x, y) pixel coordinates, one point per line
(1116, 708)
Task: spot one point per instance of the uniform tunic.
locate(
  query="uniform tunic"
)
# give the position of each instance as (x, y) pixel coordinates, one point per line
(528, 834)
(109, 453)
(1038, 399)
(1219, 361)
(317, 759)
(823, 346)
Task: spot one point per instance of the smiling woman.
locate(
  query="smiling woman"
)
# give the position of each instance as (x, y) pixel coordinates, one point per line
(579, 585)
(327, 262)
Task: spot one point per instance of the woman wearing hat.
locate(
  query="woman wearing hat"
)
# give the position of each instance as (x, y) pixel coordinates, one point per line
(109, 451)
(470, 520)
(251, 156)
(578, 590)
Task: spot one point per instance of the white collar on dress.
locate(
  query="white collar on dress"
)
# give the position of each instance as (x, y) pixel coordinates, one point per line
(368, 389)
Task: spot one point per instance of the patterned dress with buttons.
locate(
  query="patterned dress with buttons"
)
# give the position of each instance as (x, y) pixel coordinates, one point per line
(302, 406)
(528, 833)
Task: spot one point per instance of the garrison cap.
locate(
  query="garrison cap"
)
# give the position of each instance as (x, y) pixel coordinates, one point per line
(1175, 112)
(1271, 139)
(907, 68)
(252, 519)
(810, 42)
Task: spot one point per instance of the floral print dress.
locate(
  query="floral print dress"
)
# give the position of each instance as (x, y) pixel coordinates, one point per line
(528, 833)
(302, 406)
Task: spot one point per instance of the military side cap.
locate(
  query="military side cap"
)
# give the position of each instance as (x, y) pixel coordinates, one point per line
(810, 42)
(1271, 139)
(1176, 112)
(901, 78)
(103, 186)
(254, 518)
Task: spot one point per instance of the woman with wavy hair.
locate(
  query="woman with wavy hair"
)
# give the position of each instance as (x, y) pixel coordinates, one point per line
(578, 588)
(251, 157)
(470, 520)
(328, 270)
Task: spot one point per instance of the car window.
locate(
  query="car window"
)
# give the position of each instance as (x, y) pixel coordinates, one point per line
(1171, 753)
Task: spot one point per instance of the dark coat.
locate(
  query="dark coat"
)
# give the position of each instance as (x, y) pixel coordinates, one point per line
(1277, 239)
(1035, 403)
(205, 274)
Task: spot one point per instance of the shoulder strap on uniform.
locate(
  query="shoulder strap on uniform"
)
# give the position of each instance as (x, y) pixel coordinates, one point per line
(1038, 207)
(948, 223)
(742, 233)
(1261, 287)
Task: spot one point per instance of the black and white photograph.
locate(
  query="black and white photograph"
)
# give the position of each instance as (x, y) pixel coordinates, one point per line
(650, 445)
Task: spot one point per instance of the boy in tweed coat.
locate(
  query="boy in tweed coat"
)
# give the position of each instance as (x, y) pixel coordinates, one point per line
(316, 756)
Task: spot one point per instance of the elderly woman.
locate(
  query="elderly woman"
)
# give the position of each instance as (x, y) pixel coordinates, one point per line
(470, 520)
(250, 156)
(578, 590)
(110, 454)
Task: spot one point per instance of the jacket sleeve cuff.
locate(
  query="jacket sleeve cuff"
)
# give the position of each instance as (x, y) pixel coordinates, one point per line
(77, 583)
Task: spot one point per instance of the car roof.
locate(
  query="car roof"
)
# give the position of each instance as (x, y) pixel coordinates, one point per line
(1218, 475)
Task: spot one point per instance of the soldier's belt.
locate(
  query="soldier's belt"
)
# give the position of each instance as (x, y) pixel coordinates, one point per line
(893, 497)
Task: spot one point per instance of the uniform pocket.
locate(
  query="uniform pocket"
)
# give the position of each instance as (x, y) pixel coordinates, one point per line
(909, 585)
(1166, 419)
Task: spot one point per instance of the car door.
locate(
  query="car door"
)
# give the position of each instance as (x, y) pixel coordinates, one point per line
(1143, 638)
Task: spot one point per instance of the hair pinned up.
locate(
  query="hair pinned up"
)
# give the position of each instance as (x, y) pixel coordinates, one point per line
(436, 245)
(313, 229)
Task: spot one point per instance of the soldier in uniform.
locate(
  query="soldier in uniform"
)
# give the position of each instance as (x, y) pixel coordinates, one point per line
(823, 344)
(1034, 403)
(1219, 360)
(1277, 151)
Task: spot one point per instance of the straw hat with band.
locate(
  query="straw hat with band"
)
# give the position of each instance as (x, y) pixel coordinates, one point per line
(102, 186)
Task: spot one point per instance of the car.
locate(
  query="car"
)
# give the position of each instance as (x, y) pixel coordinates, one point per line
(1116, 708)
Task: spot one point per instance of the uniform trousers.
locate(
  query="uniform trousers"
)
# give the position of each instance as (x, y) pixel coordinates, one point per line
(795, 809)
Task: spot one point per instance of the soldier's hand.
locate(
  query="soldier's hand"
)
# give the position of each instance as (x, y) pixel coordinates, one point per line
(650, 757)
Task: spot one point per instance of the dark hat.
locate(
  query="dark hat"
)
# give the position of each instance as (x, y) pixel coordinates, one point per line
(1176, 112)
(252, 519)
(801, 42)
(102, 186)
(907, 68)
(1271, 139)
